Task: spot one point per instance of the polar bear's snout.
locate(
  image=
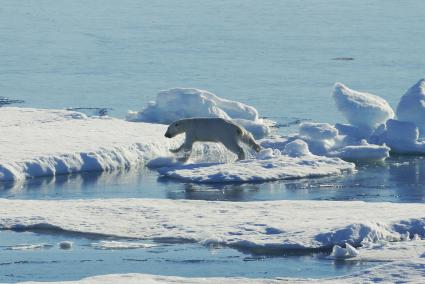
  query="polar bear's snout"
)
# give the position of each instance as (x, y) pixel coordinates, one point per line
(168, 135)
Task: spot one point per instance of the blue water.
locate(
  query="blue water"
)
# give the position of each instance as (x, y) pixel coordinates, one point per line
(282, 57)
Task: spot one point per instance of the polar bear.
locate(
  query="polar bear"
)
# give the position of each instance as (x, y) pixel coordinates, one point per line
(211, 130)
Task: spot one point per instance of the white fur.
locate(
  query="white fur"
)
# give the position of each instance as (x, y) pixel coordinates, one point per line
(211, 130)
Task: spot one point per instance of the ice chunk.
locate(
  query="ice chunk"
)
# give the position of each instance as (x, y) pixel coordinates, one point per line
(402, 137)
(296, 148)
(354, 131)
(412, 106)
(362, 152)
(351, 251)
(65, 245)
(343, 253)
(361, 109)
(179, 103)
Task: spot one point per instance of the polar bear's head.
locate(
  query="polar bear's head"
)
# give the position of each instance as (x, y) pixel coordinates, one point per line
(175, 128)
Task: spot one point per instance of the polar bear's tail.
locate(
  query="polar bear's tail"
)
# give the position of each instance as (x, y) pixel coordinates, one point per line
(247, 138)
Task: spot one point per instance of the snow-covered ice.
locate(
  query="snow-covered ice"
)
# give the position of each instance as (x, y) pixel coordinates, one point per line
(250, 225)
(179, 103)
(49, 142)
(412, 106)
(386, 232)
(361, 109)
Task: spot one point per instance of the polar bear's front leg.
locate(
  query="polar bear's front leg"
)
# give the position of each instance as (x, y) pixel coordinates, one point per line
(187, 148)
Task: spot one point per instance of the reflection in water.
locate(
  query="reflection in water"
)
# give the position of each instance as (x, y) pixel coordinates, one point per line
(399, 179)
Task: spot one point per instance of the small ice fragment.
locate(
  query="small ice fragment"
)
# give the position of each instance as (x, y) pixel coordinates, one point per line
(296, 148)
(65, 245)
(265, 154)
(341, 253)
(352, 252)
(318, 131)
(405, 237)
(338, 252)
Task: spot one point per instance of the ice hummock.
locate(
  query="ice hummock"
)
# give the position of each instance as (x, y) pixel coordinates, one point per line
(178, 103)
(361, 109)
(411, 107)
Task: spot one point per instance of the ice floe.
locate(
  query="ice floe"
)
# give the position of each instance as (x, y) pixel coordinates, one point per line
(256, 226)
(295, 162)
(65, 245)
(49, 142)
(179, 103)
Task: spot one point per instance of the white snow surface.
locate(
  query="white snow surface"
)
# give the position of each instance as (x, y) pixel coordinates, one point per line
(48, 142)
(361, 109)
(270, 225)
(178, 103)
(412, 106)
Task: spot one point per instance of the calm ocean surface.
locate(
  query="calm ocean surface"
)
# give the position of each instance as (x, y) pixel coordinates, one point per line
(282, 57)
